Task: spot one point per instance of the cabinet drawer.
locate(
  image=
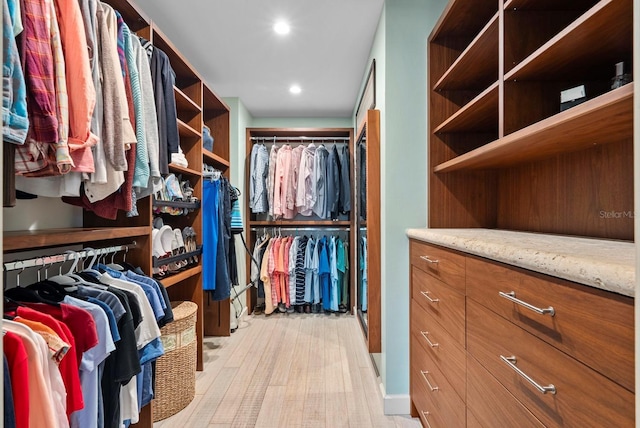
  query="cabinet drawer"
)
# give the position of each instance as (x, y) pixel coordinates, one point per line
(443, 303)
(432, 393)
(491, 404)
(593, 326)
(440, 263)
(444, 350)
(583, 398)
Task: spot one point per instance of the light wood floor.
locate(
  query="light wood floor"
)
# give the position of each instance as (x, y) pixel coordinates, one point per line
(299, 370)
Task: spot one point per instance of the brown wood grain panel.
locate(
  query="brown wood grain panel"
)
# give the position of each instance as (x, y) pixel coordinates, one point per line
(32, 239)
(477, 65)
(601, 35)
(172, 280)
(462, 17)
(374, 242)
(462, 200)
(527, 30)
(186, 75)
(549, 4)
(584, 397)
(444, 304)
(443, 349)
(492, 403)
(185, 102)
(220, 131)
(133, 15)
(480, 114)
(445, 265)
(571, 130)
(587, 193)
(434, 394)
(587, 321)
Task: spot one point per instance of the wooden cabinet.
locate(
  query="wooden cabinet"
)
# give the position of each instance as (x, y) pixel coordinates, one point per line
(502, 154)
(518, 348)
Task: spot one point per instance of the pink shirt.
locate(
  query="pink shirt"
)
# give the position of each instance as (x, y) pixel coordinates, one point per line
(292, 190)
(273, 156)
(80, 88)
(282, 182)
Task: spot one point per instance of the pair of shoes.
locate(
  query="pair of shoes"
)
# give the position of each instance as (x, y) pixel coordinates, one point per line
(190, 242)
(307, 308)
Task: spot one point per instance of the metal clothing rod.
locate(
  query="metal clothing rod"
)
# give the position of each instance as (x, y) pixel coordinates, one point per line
(302, 229)
(61, 258)
(274, 138)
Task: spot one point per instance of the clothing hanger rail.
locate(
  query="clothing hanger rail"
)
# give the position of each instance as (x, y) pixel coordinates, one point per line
(42, 261)
(275, 139)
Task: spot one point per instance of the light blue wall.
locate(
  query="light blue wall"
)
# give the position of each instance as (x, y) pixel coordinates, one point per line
(301, 122)
(400, 48)
(240, 120)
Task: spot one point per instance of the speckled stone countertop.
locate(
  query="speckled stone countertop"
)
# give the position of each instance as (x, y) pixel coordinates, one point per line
(600, 263)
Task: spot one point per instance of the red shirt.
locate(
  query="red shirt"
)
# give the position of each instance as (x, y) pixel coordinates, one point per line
(19, 370)
(79, 321)
(69, 365)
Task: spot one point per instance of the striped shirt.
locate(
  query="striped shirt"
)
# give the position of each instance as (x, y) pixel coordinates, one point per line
(299, 269)
(258, 199)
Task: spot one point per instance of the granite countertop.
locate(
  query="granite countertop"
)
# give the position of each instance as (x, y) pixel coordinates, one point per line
(600, 263)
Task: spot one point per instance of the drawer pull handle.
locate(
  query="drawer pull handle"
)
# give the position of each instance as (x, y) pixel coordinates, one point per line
(511, 362)
(424, 334)
(428, 260)
(426, 294)
(425, 414)
(512, 297)
(431, 387)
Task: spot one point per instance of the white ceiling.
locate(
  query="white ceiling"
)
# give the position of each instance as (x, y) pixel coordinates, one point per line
(233, 46)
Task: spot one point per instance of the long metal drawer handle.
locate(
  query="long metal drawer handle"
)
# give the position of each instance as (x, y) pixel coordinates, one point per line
(425, 414)
(511, 362)
(424, 334)
(424, 375)
(426, 294)
(428, 260)
(512, 297)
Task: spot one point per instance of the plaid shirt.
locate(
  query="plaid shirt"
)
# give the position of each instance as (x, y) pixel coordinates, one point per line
(37, 60)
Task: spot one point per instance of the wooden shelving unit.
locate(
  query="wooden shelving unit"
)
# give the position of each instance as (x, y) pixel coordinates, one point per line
(502, 155)
(506, 156)
(575, 129)
(477, 64)
(215, 160)
(196, 104)
(600, 36)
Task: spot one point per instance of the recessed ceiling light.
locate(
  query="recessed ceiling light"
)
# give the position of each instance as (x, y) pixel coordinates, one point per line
(295, 89)
(281, 28)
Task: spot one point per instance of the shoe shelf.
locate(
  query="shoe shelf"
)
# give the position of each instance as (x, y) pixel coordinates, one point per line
(187, 131)
(177, 204)
(177, 258)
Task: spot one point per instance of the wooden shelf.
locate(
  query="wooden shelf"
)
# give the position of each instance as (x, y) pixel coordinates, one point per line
(605, 119)
(30, 239)
(300, 223)
(212, 103)
(185, 74)
(477, 64)
(463, 18)
(180, 276)
(601, 35)
(180, 169)
(215, 159)
(184, 103)
(187, 131)
(548, 4)
(480, 114)
(131, 13)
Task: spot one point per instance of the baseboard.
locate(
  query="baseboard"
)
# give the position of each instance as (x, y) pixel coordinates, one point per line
(395, 404)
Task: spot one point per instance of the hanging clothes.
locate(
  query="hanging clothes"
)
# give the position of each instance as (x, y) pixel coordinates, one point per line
(259, 172)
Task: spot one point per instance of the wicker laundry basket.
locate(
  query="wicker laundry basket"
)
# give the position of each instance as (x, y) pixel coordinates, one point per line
(176, 369)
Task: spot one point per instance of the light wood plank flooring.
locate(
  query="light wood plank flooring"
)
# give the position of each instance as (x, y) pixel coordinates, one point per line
(299, 370)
